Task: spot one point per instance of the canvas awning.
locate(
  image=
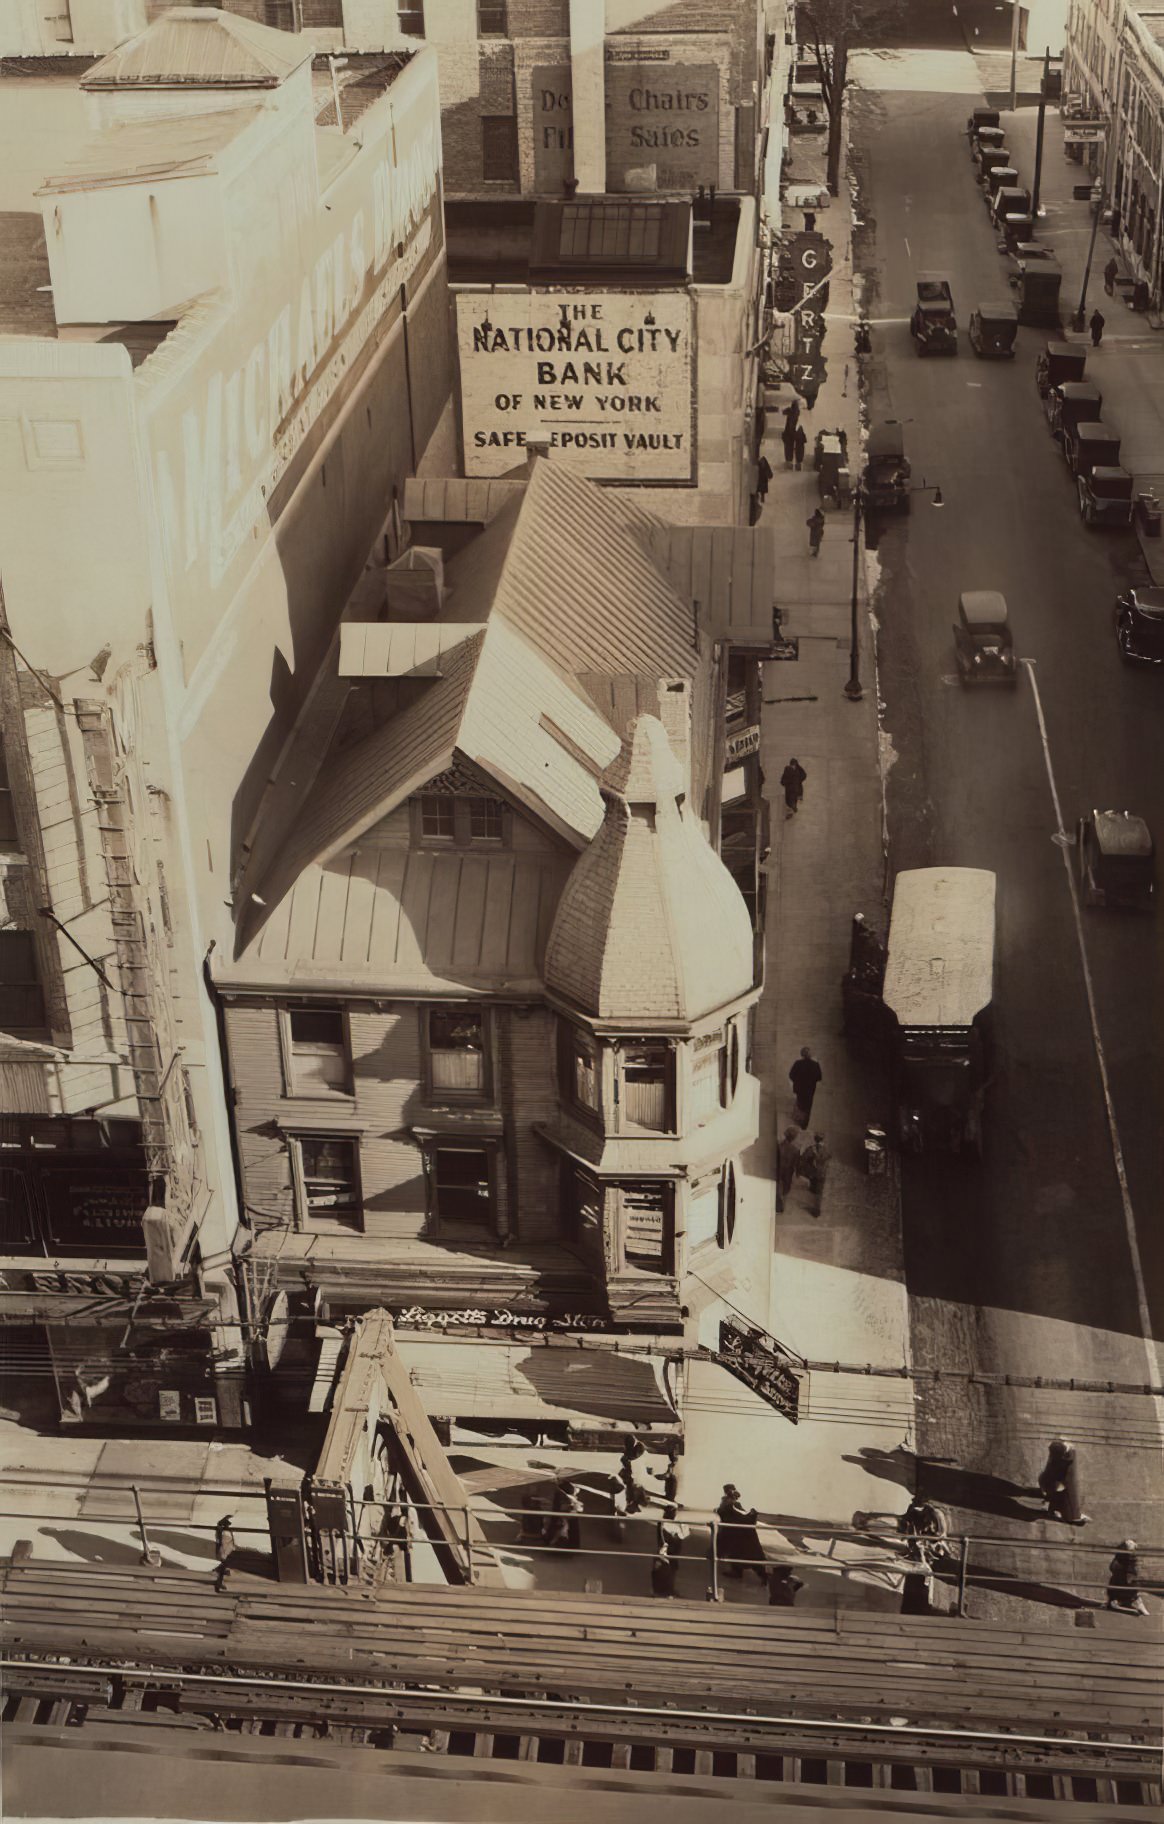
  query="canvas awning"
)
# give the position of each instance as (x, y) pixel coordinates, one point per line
(570, 1383)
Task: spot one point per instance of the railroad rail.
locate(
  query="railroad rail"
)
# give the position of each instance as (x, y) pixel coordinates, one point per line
(738, 1694)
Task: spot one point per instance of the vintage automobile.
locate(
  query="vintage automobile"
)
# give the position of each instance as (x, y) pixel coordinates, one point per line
(1016, 232)
(1091, 446)
(1059, 361)
(982, 644)
(1072, 402)
(830, 459)
(1026, 253)
(986, 139)
(993, 328)
(1117, 861)
(998, 177)
(887, 470)
(1009, 199)
(938, 993)
(933, 325)
(1140, 626)
(1105, 497)
(1038, 295)
(982, 117)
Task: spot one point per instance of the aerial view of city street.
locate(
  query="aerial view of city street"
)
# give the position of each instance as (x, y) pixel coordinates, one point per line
(581, 982)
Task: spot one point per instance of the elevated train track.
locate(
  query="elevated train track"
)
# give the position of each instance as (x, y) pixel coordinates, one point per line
(745, 1697)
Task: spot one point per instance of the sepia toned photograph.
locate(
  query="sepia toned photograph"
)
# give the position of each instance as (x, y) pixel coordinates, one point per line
(581, 976)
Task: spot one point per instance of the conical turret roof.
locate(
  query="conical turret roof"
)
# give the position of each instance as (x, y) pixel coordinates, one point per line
(650, 924)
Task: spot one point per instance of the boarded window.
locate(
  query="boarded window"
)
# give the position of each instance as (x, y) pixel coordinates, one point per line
(499, 148)
(319, 1058)
(647, 1229)
(331, 1179)
(21, 995)
(703, 1214)
(456, 1051)
(647, 1072)
(708, 1077)
(581, 1070)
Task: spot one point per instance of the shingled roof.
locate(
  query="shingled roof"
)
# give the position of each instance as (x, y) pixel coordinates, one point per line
(650, 924)
(201, 47)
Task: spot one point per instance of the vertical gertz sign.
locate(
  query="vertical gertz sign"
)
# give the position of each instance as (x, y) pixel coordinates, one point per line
(606, 376)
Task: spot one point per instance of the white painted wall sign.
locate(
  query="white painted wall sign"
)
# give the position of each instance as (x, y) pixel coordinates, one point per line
(607, 376)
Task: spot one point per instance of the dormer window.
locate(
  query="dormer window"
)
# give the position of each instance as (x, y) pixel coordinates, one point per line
(459, 821)
(646, 1079)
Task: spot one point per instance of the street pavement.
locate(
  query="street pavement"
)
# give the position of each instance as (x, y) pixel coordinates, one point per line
(1024, 1265)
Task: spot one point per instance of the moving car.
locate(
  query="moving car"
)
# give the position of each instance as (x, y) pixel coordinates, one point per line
(1140, 626)
(887, 469)
(933, 325)
(1059, 361)
(1117, 861)
(993, 328)
(1105, 497)
(1091, 446)
(982, 644)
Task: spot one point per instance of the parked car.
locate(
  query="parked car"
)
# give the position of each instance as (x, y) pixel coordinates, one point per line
(1140, 626)
(1117, 861)
(887, 469)
(1091, 446)
(1009, 199)
(1038, 293)
(1071, 403)
(1105, 497)
(1059, 361)
(982, 117)
(983, 647)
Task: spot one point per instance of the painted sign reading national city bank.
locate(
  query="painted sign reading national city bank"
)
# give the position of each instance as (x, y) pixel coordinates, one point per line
(608, 377)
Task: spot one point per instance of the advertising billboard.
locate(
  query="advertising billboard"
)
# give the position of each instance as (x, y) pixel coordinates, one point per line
(663, 114)
(607, 376)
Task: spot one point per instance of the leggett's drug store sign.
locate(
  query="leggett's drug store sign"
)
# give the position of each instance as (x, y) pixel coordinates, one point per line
(607, 377)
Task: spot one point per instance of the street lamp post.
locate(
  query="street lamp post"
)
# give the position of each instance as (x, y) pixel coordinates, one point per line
(1080, 317)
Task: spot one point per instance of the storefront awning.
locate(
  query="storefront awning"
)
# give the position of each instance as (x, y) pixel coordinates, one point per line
(472, 1379)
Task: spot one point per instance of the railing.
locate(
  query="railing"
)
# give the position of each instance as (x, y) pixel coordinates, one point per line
(955, 1560)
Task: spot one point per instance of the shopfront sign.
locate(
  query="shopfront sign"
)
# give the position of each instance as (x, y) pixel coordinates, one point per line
(738, 747)
(662, 123)
(94, 1210)
(553, 126)
(760, 1362)
(496, 1317)
(1083, 132)
(607, 376)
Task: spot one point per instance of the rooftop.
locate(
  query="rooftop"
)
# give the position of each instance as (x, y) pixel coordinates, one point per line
(497, 242)
(201, 47)
(184, 146)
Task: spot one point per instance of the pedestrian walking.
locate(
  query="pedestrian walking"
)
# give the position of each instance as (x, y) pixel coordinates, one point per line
(816, 527)
(669, 1477)
(663, 1573)
(783, 1586)
(737, 1542)
(792, 779)
(1123, 1581)
(636, 1494)
(813, 1167)
(804, 1076)
(764, 472)
(787, 1160)
(809, 390)
(1059, 1484)
(788, 439)
(224, 1546)
(792, 413)
(799, 444)
(1110, 274)
(1095, 325)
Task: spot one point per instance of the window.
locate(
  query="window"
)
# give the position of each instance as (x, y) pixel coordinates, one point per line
(457, 1058)
(317, 1052)
(9, 835)
(585, 1203)
(449, 820)
(21, 995)
(462, 1186)
(410, 17)
(437, 821)
(491, 19)
(499, 148)
(329, 1174)
(708, 1077)
(581, 1070)
(647, 1073)
(647, 1227)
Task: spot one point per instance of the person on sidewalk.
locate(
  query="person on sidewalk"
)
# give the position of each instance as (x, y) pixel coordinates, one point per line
(669, 1477)
(764, 472)
(1110, 275)
(799, 444)
(224, 1548)
(813, 1167)
(792, 779)
(670, 1533)
(809, 391)
(783, 1586)
(816, 527)
(636, 1494)
(792, 414)
(563, 1531)
(1059, 1484)
(737, 1542)
(1095, 325)
(1123, 1582)
(788, 439)
(787, 1160)
(804, 1076)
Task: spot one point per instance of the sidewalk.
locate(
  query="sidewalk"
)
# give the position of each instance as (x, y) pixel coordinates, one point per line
(1128, 367)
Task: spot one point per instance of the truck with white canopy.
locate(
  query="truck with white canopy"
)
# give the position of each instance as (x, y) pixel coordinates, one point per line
(937, 993)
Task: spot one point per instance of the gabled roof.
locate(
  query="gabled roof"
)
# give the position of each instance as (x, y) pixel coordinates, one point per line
(201, 47)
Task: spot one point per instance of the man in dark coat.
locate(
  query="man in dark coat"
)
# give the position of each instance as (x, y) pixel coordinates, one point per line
(1110, 275)
(737, 1543)
(804, 1076)
(763, 477)
(816, 531)
(1059, 1484)
(787, 1158)
(1096, 327)
(788, 439)
(1123, 1581)
(792, 779)
(783, 1586)
(799, 445)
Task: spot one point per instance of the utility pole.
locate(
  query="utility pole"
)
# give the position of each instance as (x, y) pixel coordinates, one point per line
(1039, 134)
(1016, 15)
